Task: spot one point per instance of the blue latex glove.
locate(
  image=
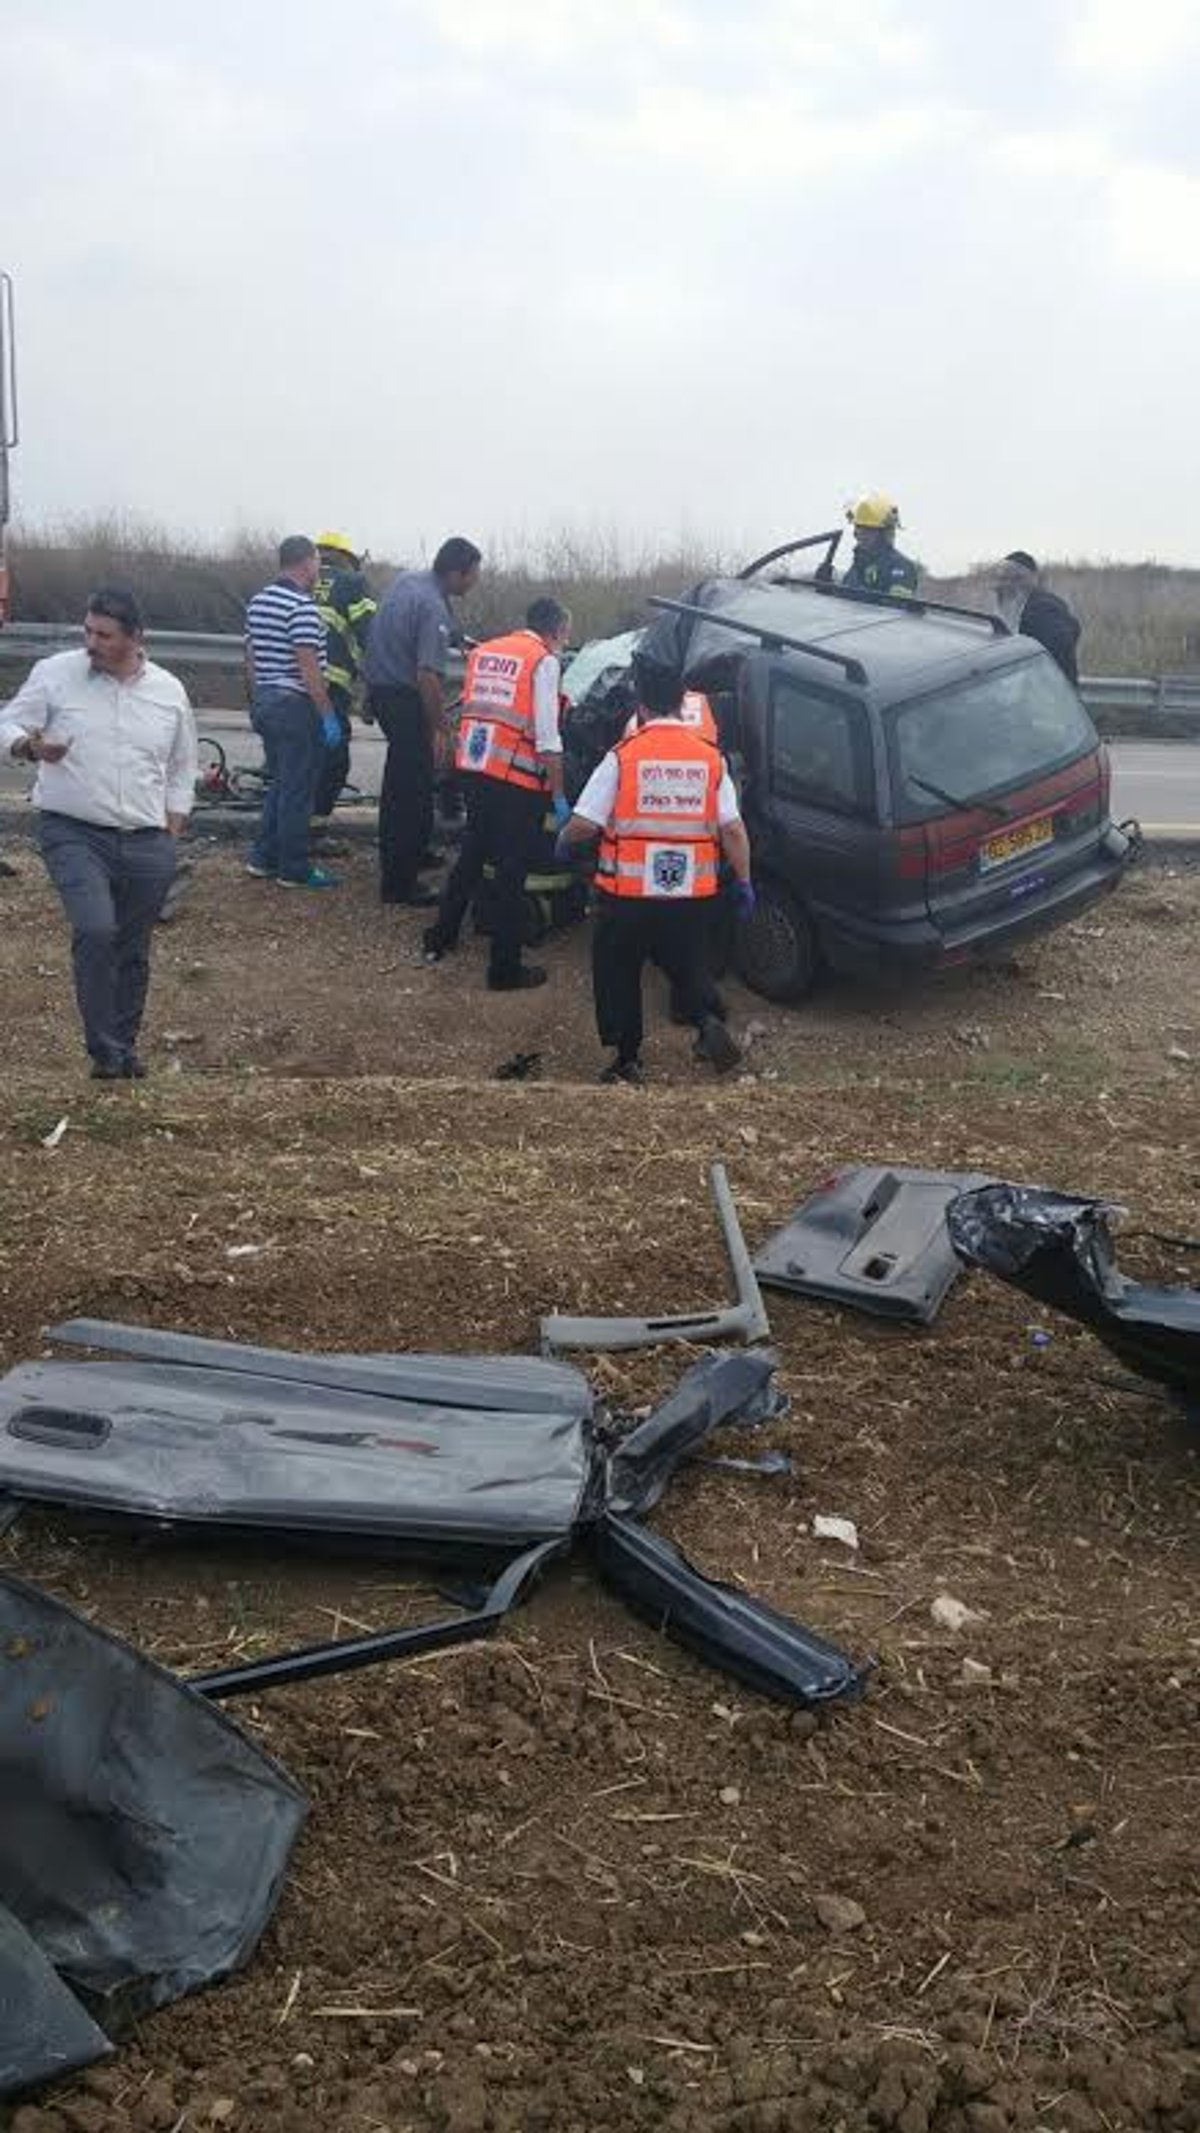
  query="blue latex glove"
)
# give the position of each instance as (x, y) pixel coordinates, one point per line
(744, 899)
(331, 730)
(562, 809)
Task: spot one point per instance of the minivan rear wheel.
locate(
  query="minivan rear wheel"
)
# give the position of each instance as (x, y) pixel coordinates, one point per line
(776, 949)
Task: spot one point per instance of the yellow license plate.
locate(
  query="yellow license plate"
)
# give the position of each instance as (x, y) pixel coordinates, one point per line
(1014, 843)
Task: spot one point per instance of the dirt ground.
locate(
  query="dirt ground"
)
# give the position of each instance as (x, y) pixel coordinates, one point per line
(572, 1880)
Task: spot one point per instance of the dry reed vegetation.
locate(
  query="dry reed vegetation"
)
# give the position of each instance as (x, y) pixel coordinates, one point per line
(1139, 618)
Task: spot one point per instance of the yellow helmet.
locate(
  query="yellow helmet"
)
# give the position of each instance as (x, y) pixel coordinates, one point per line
(874, 510)
(339, 543)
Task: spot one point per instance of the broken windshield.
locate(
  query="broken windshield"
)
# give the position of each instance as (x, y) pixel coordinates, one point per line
(603, 656)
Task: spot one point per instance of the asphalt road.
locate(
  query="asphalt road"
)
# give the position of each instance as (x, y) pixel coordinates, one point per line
(1159, 782)
(1156, 781)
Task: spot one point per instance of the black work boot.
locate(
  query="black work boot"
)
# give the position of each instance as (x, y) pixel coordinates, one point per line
(522, 979)
(714, 1043)
(630, 1071)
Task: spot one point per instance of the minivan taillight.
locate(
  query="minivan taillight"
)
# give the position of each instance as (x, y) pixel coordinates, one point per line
(1105, 768)
(941, 846)
(909, 848)
(952, 841)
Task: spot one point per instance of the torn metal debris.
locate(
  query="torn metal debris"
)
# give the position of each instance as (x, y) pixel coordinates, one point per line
(1060, 1250)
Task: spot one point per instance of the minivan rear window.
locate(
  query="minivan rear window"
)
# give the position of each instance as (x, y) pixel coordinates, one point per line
(985, 736)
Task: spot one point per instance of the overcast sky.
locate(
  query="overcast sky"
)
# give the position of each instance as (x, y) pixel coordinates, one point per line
(644, 267)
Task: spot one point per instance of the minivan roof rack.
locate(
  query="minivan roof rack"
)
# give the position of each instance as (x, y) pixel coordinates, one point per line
(911, 602)
(770, 640)
(811, 540)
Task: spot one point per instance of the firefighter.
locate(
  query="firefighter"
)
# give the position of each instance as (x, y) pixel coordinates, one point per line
(663, 806)
(510, 756)
(877, 565)
(346, 608)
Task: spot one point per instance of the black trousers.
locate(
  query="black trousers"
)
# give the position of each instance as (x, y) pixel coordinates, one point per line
(501, 832)
(406, 798)
(333, 764)
(632, 930)
(112, 884)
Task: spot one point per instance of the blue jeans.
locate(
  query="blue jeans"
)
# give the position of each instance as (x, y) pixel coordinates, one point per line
(288, 727)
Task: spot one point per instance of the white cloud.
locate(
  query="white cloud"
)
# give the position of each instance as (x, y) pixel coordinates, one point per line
(551, 32)
(1067, 154)
(765, 36)
(814, 33)
(1155, 216)
(762, 136)
(1124, 40)
(1149, 212)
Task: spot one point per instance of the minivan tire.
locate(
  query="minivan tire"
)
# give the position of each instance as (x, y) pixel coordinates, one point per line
(776, 949)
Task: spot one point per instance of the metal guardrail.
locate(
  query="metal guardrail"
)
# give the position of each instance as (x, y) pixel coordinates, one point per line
(23, 641)
(1160, 697)
(1166, 699)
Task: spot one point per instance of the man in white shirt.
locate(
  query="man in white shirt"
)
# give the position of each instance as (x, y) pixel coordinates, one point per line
(114, 742)
(510, 757)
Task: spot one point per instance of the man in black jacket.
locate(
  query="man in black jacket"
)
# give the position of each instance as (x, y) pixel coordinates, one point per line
(1026, 606)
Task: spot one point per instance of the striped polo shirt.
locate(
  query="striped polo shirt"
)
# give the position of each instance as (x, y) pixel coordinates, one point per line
(280, 619)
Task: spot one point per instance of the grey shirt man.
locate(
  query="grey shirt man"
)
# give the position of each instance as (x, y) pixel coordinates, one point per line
(411, 631)
(407, 653)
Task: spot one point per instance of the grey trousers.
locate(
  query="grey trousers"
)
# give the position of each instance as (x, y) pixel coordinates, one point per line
(112, 884)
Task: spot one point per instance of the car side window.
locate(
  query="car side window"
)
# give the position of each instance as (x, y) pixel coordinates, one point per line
(819, 749)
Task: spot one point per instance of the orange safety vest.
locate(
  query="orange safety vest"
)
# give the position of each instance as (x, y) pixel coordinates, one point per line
(695, 712)
(663, 839)
(496, 729)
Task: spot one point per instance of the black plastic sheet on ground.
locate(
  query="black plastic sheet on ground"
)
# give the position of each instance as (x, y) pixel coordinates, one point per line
(1060, 1250)
(143, 1838)
(44, 2032)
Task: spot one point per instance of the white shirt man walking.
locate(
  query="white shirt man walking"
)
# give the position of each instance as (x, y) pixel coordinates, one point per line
(115, 744)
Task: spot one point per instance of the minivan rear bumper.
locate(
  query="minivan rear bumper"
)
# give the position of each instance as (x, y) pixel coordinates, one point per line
(871, 947)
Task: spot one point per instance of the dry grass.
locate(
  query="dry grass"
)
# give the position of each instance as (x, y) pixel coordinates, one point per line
(1139, 618)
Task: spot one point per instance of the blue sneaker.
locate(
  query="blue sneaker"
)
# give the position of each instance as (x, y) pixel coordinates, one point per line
(316, 878)
(260, 872)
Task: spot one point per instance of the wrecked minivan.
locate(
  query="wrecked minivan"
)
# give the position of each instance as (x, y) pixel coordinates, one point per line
(921, 787)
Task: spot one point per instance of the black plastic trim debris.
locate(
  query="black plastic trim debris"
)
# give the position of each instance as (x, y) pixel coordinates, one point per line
(346, 1655)
(728, 1628)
